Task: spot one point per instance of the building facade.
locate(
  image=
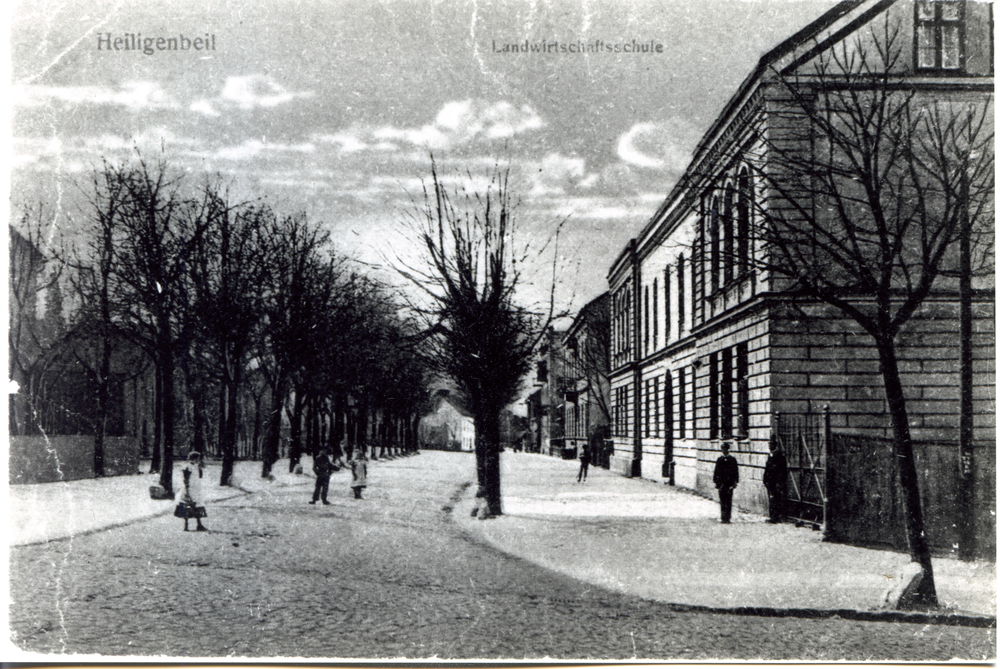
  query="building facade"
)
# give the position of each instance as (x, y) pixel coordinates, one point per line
(586, 391)
(709, 345)
(545, 404)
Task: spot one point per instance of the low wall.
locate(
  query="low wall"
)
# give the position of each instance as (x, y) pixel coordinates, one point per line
(68, 458)
(865, 505)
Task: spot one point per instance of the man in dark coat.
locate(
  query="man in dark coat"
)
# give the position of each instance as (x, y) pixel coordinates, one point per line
(726, 476)
(322, 467)
(775, 480)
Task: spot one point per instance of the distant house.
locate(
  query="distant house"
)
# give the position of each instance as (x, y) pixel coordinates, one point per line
(586, 389)
(545, 405)
(450, 427)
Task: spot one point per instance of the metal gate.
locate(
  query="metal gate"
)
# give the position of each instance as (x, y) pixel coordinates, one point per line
(804, 439)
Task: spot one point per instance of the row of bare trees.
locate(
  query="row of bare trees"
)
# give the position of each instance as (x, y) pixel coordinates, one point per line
(229, 301)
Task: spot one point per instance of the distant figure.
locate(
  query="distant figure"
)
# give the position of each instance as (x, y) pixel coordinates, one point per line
(584, 463)
(359, 472)
(726, 476)
(776, 481)
(192, 471)
(322, 468)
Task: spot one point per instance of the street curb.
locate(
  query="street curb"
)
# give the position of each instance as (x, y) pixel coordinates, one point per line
(462, 495)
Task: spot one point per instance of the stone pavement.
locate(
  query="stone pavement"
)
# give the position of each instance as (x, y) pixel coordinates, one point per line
(650, 540)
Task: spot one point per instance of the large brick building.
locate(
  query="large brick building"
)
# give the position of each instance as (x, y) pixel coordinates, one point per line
(707, 345)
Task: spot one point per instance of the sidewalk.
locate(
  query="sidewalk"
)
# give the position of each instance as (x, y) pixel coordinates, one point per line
(43, 512)
(651, 540)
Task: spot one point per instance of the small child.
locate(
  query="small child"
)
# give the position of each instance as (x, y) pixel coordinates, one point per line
(359, 472)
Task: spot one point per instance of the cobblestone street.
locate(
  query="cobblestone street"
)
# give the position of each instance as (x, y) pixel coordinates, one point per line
(388, 576)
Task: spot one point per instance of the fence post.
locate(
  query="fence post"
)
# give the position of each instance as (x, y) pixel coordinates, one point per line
(827, 436)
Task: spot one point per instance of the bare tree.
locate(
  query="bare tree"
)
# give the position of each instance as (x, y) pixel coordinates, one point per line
(29, 334)
(158, 232)
(869, 184)
(484, 339)
(227, 272)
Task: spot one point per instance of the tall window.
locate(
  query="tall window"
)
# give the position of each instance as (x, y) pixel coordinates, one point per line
(647, 413)
(940, 34)
(713, 395)
(666, 304)
(742, 390)
(726, 391)
(656, 315)
(727, 236)
(656, 407)
(680, 296)
(713, 232)
(743, 221)
(681, 409)
(645, 321)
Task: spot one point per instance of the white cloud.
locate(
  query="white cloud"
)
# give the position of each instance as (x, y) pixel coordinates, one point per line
(257, 90)
(204, 107)
(132, 94)
(457, 124)
(255, 147)
(665, 145)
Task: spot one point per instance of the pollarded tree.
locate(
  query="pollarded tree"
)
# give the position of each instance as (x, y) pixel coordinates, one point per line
(484, 339)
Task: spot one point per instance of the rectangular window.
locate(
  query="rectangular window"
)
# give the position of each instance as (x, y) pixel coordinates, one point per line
(742, 390)
(656, 315)
(666, 305)
(681, 413)
(656, 407)
(726, 391)
(680, 297)
(713, 395)
(645, 320)
(940, 33)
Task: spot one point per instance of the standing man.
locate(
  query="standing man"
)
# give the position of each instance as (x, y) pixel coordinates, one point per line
(727, 475)
(322, 467)
(584, 463)
(775, 480)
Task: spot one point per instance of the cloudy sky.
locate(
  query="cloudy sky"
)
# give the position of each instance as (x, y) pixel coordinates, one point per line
(332, 107)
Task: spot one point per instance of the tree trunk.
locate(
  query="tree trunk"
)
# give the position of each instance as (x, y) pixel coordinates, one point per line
(361, 426)
(273, 438)
(926, 595)
(166, 355)
(254, 445)
(154, 464)
(103, 406)
(295, 445)
(488, 459)
(228, 441)
(337, 427)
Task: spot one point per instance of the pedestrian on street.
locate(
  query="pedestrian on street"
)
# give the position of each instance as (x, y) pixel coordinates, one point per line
(584, 463)
(359, 472)
(776, 481)
(726, 476)
(192, 472)
(322, 468)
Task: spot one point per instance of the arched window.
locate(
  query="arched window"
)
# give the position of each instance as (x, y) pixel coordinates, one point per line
(713, 234)
(743, 220)
(727, 235)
